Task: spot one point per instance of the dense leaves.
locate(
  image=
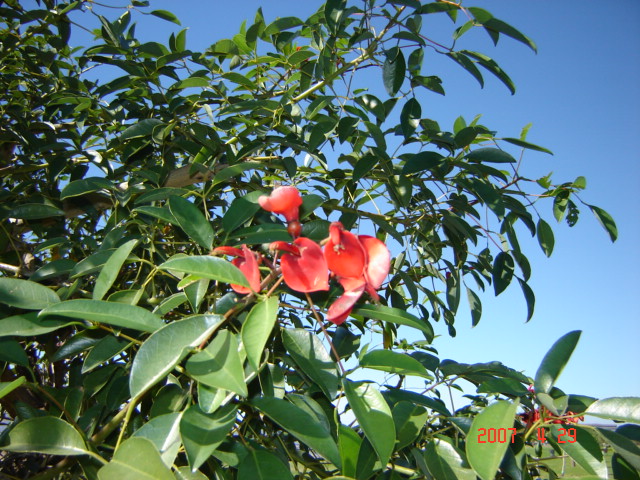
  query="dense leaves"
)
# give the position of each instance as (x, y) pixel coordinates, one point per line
(129, 167)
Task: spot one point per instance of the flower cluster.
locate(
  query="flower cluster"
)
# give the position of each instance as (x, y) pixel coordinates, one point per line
(532, 416)
(360, 263)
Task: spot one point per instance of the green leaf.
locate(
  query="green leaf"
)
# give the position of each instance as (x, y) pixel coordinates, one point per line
(205, 266)
(165, 15)
(310, 355)
(85, 185)
(116, 314)
(33, 211)
(333, 13)
(393, 70)
(394, 362)
(490, 155)
(485, 458)
(554, 361)
(105, 349)
(502, 272)
(202, 433)
(257, 329)
(410, 117)
(164, 432)
(421, 161)
(529, 297)
(263, 465)
(280, 24)
(136, 459)
(623, 445)
(395, 315)
(409, 420)
(25, 294)
(8, 387)
(625, 409)
(28, 324)
(606, 221)
(111, 269)
(585, 450)
(192, 221)
(446, 462)
(48, 435)
(530, 146)
(302, 425)
(468, 65)
(165, 348)
(219, 364)
(191, 82)
(11, 351)
(240, 211)
(475, 305)
(490, 65)
(373, 415)
(545, 237)
(349, 443)
(143, 128)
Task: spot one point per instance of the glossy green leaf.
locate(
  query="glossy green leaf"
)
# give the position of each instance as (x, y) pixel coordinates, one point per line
(625, 447)
(394, 362)
(466, 63)
(161, 213)
(191, 82)
(409, 420)
(116, 314)
(111, 269)
(48, 435)
(625, 409)
(11, 351)
(310, 355)
(475, 305)
(489, 155)
(143, 128)
(333, 13)
(502, 272)
(554, 361)
(185, 473)
(585, 450)
(240, 211)
(202, 433)
(529, 297)
(393, 70)
(136, 459)
(164, 432)
(606, 221)
(8, 387)
(206, 266)
(395, 315)
(84, 186)
(373, 415)
(349, 443)
(165, 348)
(219, 364)
(491, 66)
(28, 324)
(263, 465)
(545, 237)
(302, 425)
(446, 462)
(26, 294)
(530, 146)
(485, 458)
(422, 161)
(165, 15)
(105, 349)
(257, 328)
(192, 221)
(410, 117)
(34, 211)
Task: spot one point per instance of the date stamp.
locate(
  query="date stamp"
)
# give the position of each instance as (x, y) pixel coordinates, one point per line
(501, 435)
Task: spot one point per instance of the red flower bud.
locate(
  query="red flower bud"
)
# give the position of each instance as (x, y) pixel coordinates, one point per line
(284, 201)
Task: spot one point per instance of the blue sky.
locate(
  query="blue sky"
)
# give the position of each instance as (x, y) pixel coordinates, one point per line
(581, 94)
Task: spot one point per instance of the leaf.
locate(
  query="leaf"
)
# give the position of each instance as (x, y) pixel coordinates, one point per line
(606, 221)
(202, 433)
(191, 82)
(206, 266)
(475, 305)
(8, 387)
(393, 70)
(623, 445)
(530, 146)
(165, 15)
(529, 297)
(263, 465)
(165, 348)
(85, 185)
(302, 425)
(164, 432)
(409, 420)
(410, 117)
(28, 324)
(485, 458)
(545, 237)
(11, 351)
(394, 362)
(257, 329)
(105, 349)
(446, 462)
(25, 294)
(143, 128)
(625, 409)
(490, 155)
(192, 221)
(490, 65)
(502, 272)
(395, 315)
(554, 361)
(111, 269)
(373, 415)
(48, 435)
(219, 364)
(422, 161)
(240, 211)
(116, 314)
(136, 459)
(309, 353)
(468, 65)
(333, 14)
(585, 451)
(33, 211)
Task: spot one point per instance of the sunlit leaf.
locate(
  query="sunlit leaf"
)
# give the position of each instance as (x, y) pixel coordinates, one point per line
(257, 329)
(206, 266)
(555, 360)
(49, 435)
(25, 294)
(136, 459)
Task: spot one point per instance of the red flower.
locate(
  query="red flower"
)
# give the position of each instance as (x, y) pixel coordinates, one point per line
(247, 263)
(360, 263)
(283, 200)
(304, 267)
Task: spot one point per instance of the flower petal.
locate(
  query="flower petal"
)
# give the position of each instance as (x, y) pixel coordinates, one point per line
(249, 266)
(306, 272)
(341, 308)
(284, 200)
(378, 261)
(344, 254)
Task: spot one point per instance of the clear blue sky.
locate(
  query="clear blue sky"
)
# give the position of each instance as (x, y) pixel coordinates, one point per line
(581, 94)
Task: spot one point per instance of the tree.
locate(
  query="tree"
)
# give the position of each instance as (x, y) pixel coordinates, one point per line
(133, 348)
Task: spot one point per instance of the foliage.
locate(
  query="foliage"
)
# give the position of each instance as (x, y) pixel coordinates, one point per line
(125, 351)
